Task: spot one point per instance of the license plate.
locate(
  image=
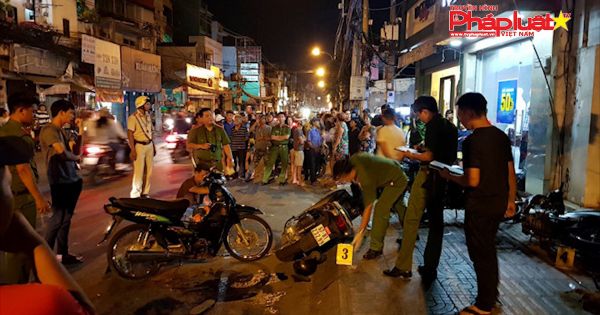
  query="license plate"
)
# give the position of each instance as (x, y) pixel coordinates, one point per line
(171, 145)
(90, 160)
(320, 234)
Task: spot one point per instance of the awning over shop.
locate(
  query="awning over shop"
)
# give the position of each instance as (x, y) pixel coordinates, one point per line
(175, 83)
(58, 85)
(110, 96)
(422, 51)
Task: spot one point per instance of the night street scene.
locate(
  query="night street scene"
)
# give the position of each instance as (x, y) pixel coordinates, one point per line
(299, 157)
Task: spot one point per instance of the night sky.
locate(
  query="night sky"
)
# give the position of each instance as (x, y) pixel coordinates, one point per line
(287, 29)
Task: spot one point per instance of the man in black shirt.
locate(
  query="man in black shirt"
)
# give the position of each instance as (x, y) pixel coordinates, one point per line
(428, 190)
(490, 181)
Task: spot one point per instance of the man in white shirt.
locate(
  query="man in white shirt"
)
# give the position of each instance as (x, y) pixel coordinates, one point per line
(389, 137)
(139, 133)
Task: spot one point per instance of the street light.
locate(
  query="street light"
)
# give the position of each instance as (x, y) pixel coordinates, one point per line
(321, 84)
(320, 72)
(316, 51)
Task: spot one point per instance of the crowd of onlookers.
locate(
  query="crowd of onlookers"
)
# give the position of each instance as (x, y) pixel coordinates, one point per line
(302, 150)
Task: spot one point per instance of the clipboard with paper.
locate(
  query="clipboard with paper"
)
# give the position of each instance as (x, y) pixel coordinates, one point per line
(406, 149)
(453, 169)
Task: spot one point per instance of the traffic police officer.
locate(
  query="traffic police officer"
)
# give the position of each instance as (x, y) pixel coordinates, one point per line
(140, 136)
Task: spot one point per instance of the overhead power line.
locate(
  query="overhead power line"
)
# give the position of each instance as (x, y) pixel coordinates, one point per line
(387, 8)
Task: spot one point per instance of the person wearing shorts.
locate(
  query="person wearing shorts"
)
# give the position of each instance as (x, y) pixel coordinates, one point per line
(297, 155)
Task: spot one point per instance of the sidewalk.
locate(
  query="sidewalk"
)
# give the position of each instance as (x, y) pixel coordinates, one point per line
(528, 284)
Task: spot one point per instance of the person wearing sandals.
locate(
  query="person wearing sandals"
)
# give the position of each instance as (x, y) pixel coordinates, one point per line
(490, 182)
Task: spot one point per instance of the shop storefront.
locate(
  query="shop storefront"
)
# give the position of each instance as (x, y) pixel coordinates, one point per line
(203, 87)
(141, 76)
(506, 70)
(106, 57)
(444, 84)
(508, 73)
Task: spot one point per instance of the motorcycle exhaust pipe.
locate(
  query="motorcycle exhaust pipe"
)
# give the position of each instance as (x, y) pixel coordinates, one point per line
(143, 256)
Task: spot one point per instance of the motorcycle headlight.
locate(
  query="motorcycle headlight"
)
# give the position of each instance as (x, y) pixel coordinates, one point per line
(171, 138)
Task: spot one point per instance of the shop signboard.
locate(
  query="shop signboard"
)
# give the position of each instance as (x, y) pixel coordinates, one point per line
(88, 49)
(358, 87)
(141, 71)
(391, 97)
(250, 71)
(107, 67)
(249, 54)
(200, 76)
(419, 16)
(507, 97)
(25, 59)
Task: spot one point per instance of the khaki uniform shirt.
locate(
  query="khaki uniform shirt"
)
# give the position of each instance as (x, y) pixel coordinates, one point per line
(141, 126)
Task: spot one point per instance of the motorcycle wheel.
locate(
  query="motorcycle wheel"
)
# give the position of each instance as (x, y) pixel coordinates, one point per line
(587, 239)
(255, 231)
(128, 238)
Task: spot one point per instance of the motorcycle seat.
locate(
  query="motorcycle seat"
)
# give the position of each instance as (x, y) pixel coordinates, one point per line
(156, 205)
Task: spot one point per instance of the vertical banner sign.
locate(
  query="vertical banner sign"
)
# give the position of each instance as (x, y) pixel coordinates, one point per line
(507, 98)
(107, 69)
(88, 49)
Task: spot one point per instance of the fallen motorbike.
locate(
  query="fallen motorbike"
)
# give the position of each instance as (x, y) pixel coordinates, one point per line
(321, 226)
(545, 218)
(176, 145)
(99, 162)
(162, 233)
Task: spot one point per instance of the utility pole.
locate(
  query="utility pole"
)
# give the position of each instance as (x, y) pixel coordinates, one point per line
(391, 45)
(365, 19)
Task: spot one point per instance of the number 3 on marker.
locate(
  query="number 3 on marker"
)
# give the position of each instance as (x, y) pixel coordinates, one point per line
(344, 254)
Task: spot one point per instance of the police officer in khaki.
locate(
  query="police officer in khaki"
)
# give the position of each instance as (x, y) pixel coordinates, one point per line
(139, 133)
(210, 142)
(280, 138)
(15, 268)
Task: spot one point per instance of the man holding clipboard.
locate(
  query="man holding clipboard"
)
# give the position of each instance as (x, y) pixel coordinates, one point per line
(490, 182)
(428, 189)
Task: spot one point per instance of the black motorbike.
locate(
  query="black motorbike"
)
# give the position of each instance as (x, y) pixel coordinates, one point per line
(99, 161)
(321, 226)
(160, 235)
(176, 144)
(546, 219)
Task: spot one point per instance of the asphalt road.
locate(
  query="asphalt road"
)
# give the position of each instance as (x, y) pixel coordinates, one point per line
(267, 286)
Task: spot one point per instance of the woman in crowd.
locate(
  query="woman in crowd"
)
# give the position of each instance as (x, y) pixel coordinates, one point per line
(239, 145)
(340, 143)
(367, 136)
(353, 140)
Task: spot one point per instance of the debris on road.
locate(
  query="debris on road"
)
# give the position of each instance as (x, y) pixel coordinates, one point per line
(205, 306)
(256, 278)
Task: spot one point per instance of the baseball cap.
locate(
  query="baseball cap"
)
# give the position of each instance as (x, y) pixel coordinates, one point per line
(219, 118)
(15, 151)
(141, 101)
